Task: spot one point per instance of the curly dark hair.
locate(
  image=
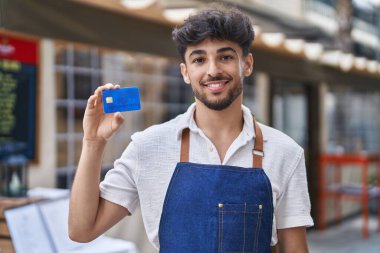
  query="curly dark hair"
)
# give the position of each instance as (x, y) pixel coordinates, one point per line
(219, 23)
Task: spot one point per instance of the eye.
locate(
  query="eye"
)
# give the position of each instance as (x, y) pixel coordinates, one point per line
(226, 57)
(198, 60)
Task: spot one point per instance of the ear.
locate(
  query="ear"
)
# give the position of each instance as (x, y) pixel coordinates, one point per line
(184, 73)
(248, 65)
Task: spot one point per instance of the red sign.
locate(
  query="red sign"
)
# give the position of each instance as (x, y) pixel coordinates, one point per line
(22, 50)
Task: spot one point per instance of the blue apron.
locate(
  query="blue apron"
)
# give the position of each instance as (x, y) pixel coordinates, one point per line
(217, 208)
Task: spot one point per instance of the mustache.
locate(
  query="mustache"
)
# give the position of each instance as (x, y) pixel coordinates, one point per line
(216, 78)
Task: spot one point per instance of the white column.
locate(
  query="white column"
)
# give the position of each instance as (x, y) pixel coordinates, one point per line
(43, 173)
(262, 84)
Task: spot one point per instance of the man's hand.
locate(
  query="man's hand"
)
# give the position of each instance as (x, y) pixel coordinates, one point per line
(292, 240)
(97, 125)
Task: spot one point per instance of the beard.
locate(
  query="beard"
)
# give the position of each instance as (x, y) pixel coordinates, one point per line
(221, 103)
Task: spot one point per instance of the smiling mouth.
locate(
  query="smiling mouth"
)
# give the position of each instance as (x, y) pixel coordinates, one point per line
(216, 86)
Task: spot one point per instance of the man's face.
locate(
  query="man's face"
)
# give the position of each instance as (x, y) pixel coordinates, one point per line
(216, 69)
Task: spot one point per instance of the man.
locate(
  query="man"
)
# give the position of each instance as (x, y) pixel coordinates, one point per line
(210, 180)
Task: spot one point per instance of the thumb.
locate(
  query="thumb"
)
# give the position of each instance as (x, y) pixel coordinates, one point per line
(118, 120)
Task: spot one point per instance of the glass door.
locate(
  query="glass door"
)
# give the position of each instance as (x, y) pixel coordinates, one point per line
(289, 110)
(294, 111)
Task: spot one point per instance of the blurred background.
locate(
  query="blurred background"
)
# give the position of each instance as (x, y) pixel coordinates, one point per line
(316, 78)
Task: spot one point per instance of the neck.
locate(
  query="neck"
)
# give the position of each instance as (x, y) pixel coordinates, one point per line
(216, 124)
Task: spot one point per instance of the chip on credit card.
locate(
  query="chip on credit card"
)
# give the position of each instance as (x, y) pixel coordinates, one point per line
(121, 100)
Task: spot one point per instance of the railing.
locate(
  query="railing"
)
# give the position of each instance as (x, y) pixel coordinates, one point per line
(320, 8)
(338, 190)
(328, 10)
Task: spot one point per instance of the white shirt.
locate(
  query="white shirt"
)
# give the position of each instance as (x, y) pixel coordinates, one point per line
(142, 174)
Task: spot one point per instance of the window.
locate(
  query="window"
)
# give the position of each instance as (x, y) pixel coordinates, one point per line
(353, 120)
(249, 95)
(366, 13)
(80, 69)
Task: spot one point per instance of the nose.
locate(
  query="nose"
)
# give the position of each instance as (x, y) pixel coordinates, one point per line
(213, 68)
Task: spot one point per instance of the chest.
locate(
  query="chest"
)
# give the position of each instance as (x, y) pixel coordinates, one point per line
(155, 176)
(156, 171)
(222, 143)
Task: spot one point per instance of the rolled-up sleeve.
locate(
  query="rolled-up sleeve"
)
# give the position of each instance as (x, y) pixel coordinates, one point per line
(119, 184)
(293, 206)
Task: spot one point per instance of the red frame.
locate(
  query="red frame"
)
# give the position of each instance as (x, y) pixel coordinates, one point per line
(362, 161)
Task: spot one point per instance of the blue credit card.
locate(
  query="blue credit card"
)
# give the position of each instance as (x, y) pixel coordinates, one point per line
(121, 100)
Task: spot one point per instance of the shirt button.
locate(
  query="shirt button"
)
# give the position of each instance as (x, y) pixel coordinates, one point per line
(211, 149)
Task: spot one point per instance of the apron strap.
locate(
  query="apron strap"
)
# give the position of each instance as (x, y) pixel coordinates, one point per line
(257, 151)
(185, 145)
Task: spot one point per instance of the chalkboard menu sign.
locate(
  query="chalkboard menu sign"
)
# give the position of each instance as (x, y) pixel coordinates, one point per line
(18, 79)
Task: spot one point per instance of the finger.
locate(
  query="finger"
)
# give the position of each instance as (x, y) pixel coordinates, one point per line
(91, 102)
(118, 121)
(99, 90)
(117, 86)
(98, 100)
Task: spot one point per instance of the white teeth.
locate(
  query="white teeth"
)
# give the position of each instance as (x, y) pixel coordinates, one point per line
(215, 85)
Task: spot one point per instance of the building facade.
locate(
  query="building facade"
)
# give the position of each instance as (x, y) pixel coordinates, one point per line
(327, 100)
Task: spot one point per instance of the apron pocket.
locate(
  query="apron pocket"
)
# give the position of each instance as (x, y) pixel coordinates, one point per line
(239, 227)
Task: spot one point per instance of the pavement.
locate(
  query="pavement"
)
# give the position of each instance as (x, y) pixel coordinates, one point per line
(345, 238)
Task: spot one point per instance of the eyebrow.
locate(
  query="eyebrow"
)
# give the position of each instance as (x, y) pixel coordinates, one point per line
(220, 50)
(197, 52)
(224, 49)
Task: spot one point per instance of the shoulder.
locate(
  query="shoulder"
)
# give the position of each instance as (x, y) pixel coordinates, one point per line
(159, 133)
(161, 140)
(283, 158)
(275, 135)
(280, 143)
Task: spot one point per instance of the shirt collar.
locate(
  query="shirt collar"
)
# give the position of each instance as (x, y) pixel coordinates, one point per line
(187, 121)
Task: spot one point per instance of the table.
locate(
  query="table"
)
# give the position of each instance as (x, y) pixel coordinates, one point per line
(6, 245)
